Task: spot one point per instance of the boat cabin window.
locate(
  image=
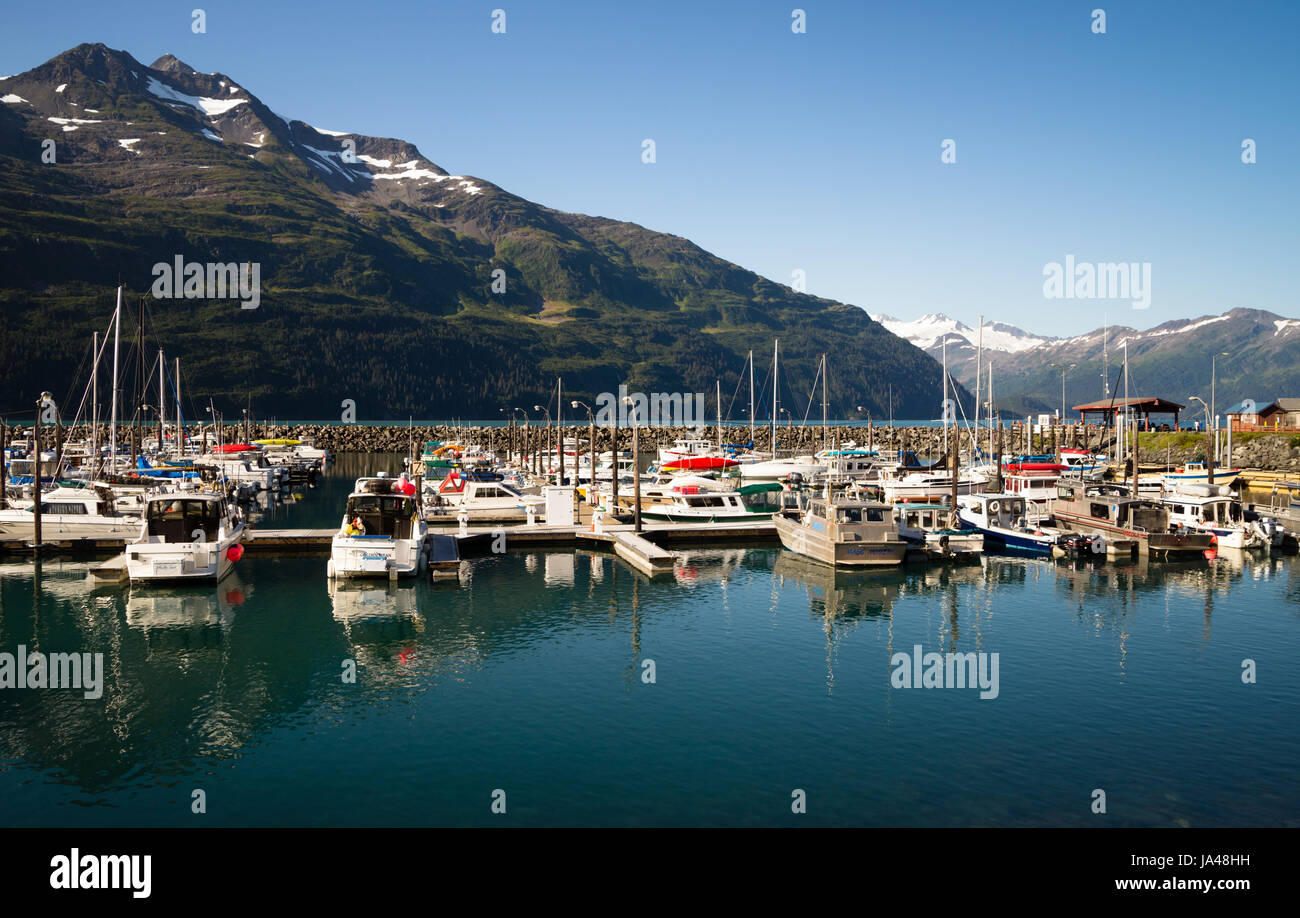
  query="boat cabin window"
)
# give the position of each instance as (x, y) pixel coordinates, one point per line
(63, 508)
(389, 516)
(1099, 511)
(176, 520)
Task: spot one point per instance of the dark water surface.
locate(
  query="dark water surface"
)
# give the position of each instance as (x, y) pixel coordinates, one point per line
(771, 674)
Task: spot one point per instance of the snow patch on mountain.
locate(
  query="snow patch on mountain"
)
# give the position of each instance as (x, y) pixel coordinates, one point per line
(210, 107)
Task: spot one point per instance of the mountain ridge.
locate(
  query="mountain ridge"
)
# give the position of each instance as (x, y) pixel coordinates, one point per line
(378, 266)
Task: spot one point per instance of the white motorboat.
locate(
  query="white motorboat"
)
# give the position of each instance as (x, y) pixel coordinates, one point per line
(382, 534)
(937, 528)
(929, 485)
(185, 536)
(1214, 510)
(70, 513)
(482, 495)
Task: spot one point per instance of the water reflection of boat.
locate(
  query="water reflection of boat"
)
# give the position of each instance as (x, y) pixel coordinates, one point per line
(154, 609)
(379, 601)
(697, 566)
(837, 591)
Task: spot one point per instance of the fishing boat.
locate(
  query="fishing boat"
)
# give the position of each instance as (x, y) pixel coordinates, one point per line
(185, 536)
(382, 533)
(937, 529)
(695, 504)
(1115, 514)
(70, 513)
(1034, 481)
(1002, 520)
(1213, 509)
(843, 533)
(1194, 472)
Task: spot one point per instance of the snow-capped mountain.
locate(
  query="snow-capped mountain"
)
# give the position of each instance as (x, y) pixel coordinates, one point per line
(929, 332)
(1172, 360)
(384, 278)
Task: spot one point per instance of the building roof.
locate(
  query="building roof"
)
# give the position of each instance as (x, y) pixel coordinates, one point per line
(1246, 406)
(1286, 404)
(1158, 405)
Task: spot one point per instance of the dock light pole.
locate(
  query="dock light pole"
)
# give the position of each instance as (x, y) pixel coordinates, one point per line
(1209, 452)
(591, 452)
(45, 399)
(548, 429)
(868, 413)
(636, 463)
(1214, 414)
(1063, 367)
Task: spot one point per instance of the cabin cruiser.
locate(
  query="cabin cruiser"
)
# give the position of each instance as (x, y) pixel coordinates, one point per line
(684, 449)
(246, 464)
(1115, 514)
(850, 463)
(1002, 520)
(843, 533)
(185, 536)
(382, 533)
(804, 467)
(929, 485)
(481, 494)
(1212, 509)
(687, 503)
(937, 529)
(70, 513)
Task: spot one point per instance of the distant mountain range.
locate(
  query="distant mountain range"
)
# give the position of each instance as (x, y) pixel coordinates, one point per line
(383, 278)
(1172, 360)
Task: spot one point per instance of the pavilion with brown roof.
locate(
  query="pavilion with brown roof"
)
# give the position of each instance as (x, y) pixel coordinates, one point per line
(1108, 410)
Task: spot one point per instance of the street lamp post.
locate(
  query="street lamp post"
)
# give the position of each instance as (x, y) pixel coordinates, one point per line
(591, 454)
(547, 411)
(868, 413)
(1063, 368)
(45, 399)
(1213, 413)
(636, 464)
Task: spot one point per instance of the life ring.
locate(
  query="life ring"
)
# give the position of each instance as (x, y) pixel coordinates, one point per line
(994, 506)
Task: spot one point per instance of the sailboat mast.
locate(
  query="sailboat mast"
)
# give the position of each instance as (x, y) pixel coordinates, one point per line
(94, 406)
(824, 431)
(718, 396)
(979, 360)
(751, 397)
(945, 392)
(112, 424)
(162, 403)
(180, 430)
(776, 348)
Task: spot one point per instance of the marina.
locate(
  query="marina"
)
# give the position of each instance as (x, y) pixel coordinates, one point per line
(620, 416)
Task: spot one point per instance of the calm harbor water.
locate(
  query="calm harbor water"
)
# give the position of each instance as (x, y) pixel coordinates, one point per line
(771, 674)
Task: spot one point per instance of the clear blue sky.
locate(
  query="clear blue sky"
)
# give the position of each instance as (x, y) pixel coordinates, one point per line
(818, 151)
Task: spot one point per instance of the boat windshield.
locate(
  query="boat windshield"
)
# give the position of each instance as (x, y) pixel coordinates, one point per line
(178, 520)
(382, 515)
